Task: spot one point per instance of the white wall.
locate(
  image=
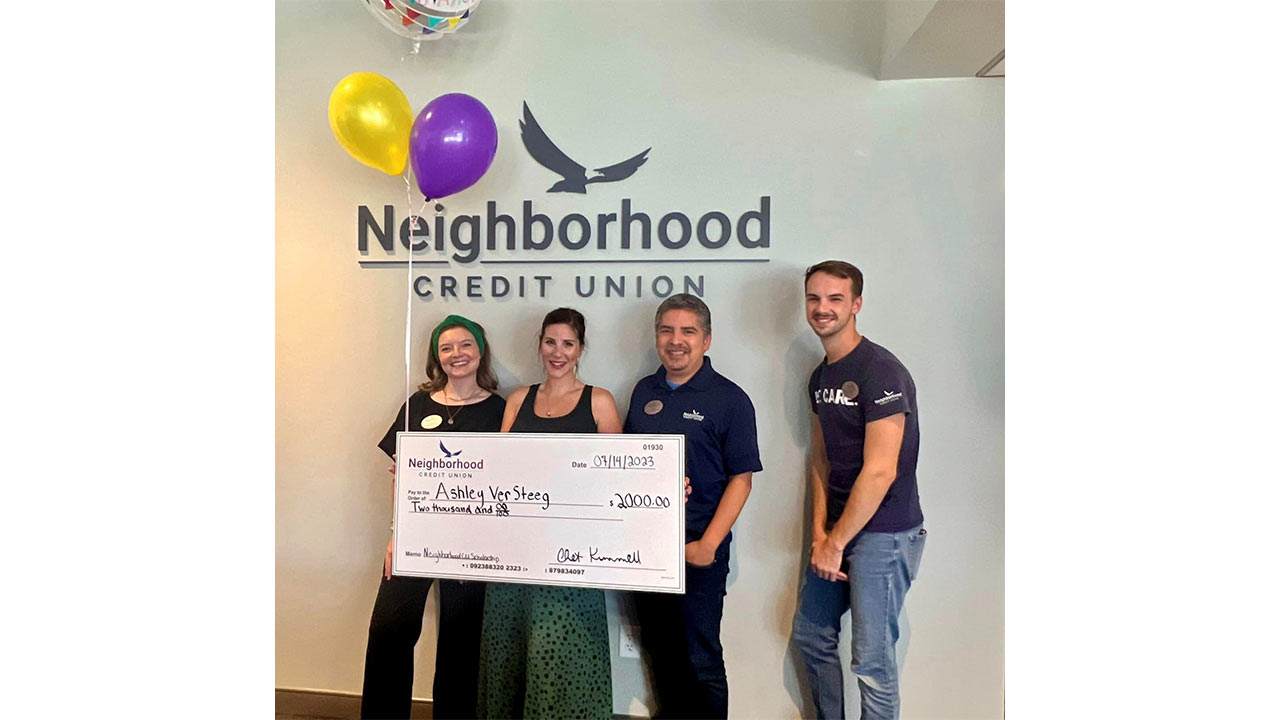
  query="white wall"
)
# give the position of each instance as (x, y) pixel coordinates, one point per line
(738, 100)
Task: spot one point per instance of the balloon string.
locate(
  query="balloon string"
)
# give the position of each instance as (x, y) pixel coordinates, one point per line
(408, 311)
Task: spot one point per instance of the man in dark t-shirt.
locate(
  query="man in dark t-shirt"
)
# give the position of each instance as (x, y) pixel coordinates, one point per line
(868, 530)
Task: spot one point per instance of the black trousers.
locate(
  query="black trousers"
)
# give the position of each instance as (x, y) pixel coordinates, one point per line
(394, 630)
(680, 635)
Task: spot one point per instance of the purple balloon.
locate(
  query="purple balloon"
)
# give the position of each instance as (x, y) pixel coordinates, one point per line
(452, 144)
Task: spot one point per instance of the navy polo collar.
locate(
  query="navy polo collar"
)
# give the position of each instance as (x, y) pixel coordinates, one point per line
(701, 380)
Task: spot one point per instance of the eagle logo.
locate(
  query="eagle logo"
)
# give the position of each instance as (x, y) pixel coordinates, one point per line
(447, 452)
(574, 176)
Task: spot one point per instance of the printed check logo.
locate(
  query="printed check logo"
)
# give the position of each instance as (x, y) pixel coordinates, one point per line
(574, 175)
(446, 451)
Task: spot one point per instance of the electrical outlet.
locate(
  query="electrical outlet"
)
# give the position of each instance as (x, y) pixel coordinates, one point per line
(628, 641)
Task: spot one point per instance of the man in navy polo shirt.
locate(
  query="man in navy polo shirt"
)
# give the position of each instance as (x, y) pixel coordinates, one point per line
(868, 530)
(681, 633)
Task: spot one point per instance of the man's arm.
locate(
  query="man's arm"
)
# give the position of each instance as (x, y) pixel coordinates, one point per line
(702, 551)
(879, 470)
(819, 469)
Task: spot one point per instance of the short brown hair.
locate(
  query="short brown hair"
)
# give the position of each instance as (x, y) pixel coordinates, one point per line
(840, 269)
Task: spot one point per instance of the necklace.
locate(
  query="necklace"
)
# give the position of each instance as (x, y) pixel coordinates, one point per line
(550, 403)
(452, 415)
(462, 402)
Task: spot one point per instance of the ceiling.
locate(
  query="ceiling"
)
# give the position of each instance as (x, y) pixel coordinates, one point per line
(942, 38)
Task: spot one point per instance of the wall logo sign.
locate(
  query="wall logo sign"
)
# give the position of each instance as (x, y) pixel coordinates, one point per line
(573, 174)
(464, 255)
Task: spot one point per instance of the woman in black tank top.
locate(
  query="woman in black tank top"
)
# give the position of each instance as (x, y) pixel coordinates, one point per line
(579, 420)
(545, 650)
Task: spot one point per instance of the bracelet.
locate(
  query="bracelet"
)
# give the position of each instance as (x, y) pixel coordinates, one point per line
(393, 525)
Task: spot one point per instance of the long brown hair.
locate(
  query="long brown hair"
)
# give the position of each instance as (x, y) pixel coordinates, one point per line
(436, 377)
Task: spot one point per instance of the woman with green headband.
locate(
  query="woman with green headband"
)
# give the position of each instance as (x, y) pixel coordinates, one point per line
(459, 396)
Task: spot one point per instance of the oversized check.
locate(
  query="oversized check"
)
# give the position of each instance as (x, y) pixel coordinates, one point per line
(604, 511)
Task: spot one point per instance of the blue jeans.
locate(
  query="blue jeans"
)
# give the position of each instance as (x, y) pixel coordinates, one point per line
(880, 567)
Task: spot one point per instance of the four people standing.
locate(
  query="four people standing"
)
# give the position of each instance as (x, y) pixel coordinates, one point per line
(545, 649)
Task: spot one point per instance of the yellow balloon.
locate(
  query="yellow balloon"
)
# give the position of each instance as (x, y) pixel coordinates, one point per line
(371, 118)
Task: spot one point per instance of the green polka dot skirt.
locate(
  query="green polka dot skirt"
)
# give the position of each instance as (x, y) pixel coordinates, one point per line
(544, 653)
